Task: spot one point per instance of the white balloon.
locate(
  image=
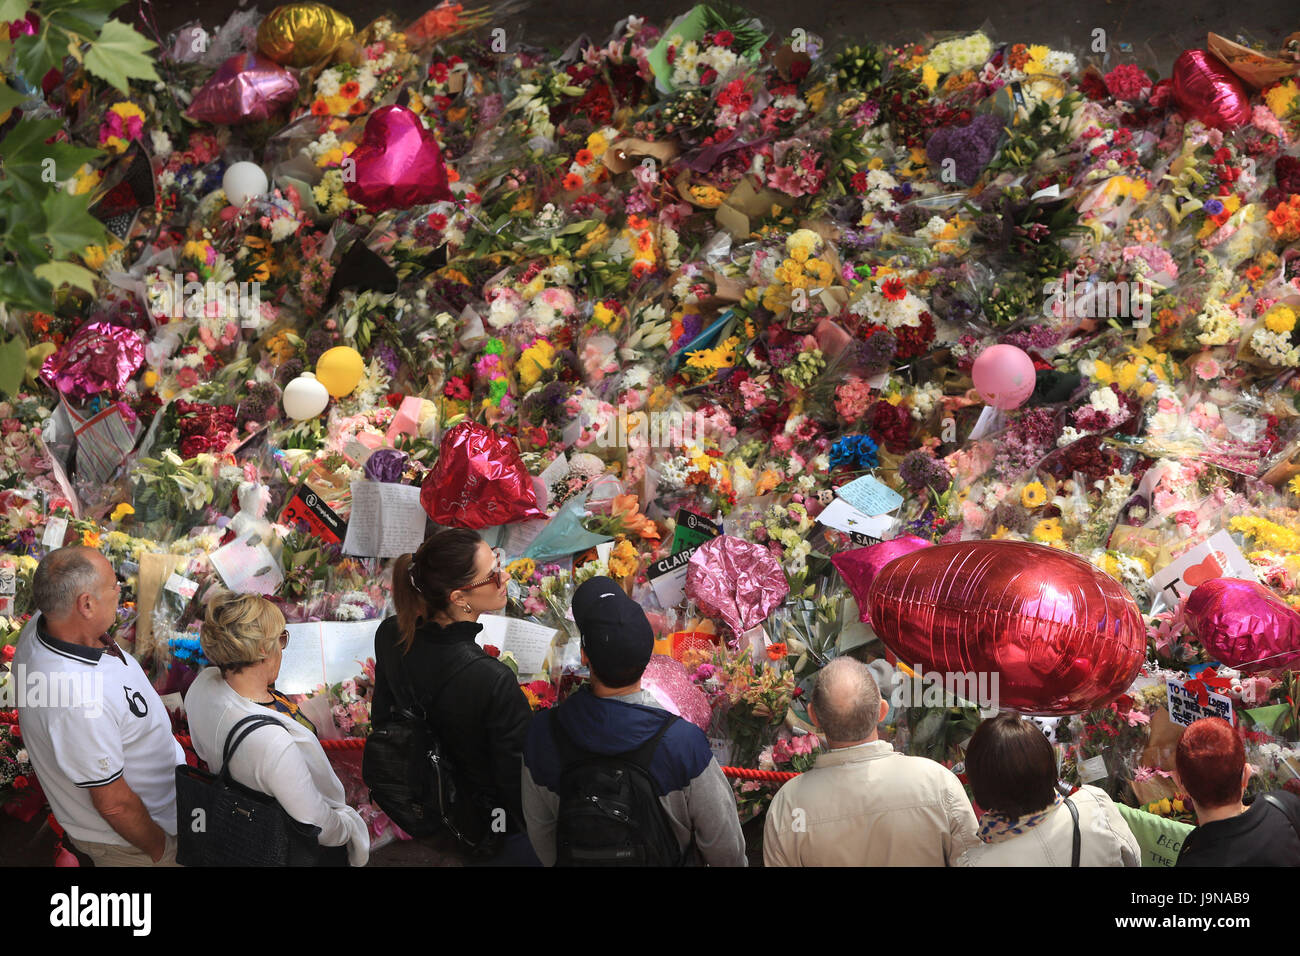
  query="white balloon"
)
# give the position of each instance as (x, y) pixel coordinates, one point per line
(304, 397)
(243, 181)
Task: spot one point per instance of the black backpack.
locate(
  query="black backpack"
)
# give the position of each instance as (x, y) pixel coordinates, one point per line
(412, 778)
(610, 814)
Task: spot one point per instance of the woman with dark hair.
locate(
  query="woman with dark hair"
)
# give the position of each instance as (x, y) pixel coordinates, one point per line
(1028, 820)
(426, 653)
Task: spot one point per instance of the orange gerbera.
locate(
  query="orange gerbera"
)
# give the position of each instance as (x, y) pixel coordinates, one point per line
(320, 108)
(776, 651)
(351, 89)
(572, 181)
(584, 157)
(357, 108)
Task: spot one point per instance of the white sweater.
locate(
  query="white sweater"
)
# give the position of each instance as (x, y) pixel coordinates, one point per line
(292, 766)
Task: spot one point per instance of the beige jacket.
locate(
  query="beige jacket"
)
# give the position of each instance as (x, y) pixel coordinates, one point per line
(870, 806)
(1104, 838)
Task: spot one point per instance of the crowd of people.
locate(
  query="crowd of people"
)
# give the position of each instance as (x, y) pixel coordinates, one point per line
(570, 784)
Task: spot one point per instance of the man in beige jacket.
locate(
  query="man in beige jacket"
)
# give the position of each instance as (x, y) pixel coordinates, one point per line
(863, 804)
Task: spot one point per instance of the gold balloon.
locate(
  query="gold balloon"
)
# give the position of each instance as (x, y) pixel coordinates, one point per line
(299, 34)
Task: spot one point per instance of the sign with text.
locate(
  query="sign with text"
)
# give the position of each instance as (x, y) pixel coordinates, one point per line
(1184, 707)
(691, 531)
(306, 505)
(1216, 557)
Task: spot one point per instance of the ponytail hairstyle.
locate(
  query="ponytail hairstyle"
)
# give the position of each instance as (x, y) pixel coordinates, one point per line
(423, 582)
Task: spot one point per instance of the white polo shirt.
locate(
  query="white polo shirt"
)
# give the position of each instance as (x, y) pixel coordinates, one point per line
(88, 718)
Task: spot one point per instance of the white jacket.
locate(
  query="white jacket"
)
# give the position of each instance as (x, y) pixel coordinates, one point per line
(292, 766)
(1104, 838)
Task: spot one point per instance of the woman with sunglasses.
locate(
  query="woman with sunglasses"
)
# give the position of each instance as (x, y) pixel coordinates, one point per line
(427, 651)
(244, 637)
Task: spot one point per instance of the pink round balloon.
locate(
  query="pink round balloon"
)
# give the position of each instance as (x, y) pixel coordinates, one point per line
(398, 164)
(1004, 376)
(1244, 624)
(1205, 89)
(1061, 636)
(667, 681)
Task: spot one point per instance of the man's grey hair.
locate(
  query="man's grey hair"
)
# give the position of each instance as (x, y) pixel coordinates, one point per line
(62, 577)
(846, 700)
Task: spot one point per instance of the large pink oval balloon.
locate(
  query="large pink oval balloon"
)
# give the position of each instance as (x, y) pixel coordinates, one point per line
(1244, 624)
(1004, 376)
(859, 566)
(1205, 89)
(666, 681)
(398, 164)
(247, 88)
(1062, 636)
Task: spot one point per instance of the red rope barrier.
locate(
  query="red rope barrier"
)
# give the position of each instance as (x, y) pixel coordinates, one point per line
(767, 776)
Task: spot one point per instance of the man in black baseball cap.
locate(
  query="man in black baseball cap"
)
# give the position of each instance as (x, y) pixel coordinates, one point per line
(617, 639)
(610, 778)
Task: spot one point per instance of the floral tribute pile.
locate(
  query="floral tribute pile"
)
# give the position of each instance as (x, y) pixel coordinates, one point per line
(795, 250)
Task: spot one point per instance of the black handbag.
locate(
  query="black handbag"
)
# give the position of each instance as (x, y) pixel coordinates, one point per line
(413, 779)
(220, 822)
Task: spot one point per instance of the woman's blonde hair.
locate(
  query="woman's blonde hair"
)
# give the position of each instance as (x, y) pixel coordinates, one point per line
(240, 630)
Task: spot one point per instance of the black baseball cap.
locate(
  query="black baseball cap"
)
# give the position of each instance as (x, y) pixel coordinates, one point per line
(615, 633)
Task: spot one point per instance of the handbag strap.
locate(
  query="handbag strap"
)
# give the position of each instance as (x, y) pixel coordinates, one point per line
(1279, 804)
(1074, 848)
(250, 724)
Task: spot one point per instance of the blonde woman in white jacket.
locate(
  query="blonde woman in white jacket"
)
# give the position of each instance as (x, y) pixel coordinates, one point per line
(244, 636)
(1027, 821)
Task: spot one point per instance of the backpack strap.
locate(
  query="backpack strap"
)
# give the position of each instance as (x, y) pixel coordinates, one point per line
(1281, 805)
(250, 724)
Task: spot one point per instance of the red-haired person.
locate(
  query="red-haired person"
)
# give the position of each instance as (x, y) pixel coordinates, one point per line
(1210, 765)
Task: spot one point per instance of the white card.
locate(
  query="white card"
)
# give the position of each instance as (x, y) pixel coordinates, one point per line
(55, 529)
(1216, 557)
(1094, 768)
(842, 516)
(181, 585)
(247, 567)
(528, 642)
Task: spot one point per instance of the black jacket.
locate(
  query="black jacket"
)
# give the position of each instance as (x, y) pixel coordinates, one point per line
(1262, 836)
(481, 716)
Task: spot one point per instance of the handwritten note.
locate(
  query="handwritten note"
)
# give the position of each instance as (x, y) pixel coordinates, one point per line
(870, 496)
(386, 520)
(324, 652)
(1184, 708)
(842, 516)
(180, 584)
(248, 567)
(528, 642)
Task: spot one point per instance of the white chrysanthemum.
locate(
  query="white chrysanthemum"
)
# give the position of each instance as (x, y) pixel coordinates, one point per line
(1061, 63)
(328, 83)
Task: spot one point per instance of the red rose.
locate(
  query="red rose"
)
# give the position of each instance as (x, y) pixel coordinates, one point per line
(394, 399)
(20, 782)
(491, 650)
(7, 652)
(724, 38)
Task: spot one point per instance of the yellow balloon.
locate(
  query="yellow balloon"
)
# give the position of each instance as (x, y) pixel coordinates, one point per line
(299, 34)
(340, 370)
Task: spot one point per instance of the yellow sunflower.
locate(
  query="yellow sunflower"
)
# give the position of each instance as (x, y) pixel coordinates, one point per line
(1033, 495)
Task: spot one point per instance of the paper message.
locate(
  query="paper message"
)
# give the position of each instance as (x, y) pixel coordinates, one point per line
(324, 652)
(842, 516)
(1184, 708)
(667, 578)
(247, 567)
(1216, 557)
(870, 495)
(55, 529)
(520, 535)
(179, 584)
(528, 642)
(386, 521)
(1094, 768)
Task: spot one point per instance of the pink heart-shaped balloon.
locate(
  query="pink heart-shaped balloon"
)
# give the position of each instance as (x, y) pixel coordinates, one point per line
(1244, 625)
(246, 88)
(1205, 89)
(398, 164)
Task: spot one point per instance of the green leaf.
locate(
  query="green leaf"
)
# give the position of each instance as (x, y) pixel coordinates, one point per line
(41, 52)
(13, 9)
(26, 142)
(13, 364)
(21, 289)
(9, 98)
(120, 55)
(83, 17)
(68, 225)
(58, 272)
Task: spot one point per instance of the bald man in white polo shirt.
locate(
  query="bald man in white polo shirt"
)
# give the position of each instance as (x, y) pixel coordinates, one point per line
(99, 737)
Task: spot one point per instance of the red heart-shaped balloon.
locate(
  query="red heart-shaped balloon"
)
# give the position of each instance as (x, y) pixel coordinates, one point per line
(1207, 570)
(398, 164)
(1205, 89)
